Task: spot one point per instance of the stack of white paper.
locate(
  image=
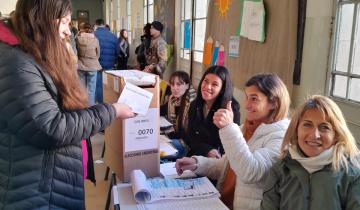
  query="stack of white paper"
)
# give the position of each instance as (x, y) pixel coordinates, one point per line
(135, 77)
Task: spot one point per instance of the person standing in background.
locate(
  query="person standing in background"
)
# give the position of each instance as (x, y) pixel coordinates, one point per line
(44, 113)
(156, 54)
(88, 63)
(124, 50)
(142, 48)
(109, 51)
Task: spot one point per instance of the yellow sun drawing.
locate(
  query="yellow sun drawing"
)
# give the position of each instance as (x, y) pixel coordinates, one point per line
(223, 6)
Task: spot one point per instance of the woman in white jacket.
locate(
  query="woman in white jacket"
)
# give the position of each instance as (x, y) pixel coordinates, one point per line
(251, 149)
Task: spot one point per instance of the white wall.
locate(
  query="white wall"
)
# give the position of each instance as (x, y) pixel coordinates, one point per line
(7, 6)
(315, 71)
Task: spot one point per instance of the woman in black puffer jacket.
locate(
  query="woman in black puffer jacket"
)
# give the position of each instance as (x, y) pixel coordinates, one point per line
(43, 111)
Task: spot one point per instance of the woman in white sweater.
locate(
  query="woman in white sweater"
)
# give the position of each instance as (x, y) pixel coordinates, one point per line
(251, 149)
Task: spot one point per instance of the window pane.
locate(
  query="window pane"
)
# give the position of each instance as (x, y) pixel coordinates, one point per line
(128, 7)
(182, 34)
(145, 15)
(145, 1)
(344, 37)
(151, 13)
(355, 67)
(198, 56)
(186, 54)
(181, 53)
(201, 8)
(150, 1)
(340, 86)
(182, 15)
(355, 90)
(129, 23)
(187, 9)
(200, 26)
(129, 35)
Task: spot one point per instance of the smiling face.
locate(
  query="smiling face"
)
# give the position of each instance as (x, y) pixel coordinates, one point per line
(210, 88)
(257, 105)
(64, 29)
(315, 133)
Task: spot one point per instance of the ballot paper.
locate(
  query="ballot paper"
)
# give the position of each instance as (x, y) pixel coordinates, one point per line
(136, 98)
(135, 77)
(164, 123)
(157, 189)
(168, 170)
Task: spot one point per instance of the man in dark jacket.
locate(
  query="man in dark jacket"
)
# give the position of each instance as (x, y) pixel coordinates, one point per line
(109, 51)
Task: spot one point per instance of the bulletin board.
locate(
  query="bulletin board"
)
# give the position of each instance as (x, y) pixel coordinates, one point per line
(276, 55)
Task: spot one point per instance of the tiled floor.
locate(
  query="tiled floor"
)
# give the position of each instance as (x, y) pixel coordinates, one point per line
(95, 196)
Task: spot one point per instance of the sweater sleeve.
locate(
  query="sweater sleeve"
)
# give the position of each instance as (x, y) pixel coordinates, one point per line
(210, 167)
(32, 114)
(249, 166)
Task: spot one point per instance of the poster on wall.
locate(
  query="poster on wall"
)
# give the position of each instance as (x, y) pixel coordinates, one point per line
(187, 37)
(252, 25)
(234, 45)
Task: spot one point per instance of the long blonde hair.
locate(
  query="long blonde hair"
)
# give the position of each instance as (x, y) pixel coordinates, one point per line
(345, 149)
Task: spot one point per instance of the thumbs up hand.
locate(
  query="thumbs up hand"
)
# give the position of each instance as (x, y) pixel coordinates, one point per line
(224, 117)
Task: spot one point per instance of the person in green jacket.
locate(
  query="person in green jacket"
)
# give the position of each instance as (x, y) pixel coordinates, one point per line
(319, 166)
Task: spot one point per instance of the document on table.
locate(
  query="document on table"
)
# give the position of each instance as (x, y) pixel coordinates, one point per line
(136, 98)
(168, 170)
(167, 149)
(135, 77)
(158, 189)
(164, 123)
(195, 204)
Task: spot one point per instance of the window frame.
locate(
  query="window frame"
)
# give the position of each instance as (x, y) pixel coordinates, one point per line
(335, 45)
(147, 5)
(193, 19)
(128, 18)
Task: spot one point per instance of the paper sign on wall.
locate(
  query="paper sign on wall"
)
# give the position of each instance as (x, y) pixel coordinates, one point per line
(252, 24)
(141, 131)
(234, 44)
(187, 37)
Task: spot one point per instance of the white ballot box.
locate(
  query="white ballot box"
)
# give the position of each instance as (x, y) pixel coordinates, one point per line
(133, 143)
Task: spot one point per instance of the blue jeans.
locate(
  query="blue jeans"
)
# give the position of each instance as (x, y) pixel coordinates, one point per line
(88, 80)
(99, 87)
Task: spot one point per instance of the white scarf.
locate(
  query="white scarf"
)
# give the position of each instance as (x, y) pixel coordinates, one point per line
(312, 164)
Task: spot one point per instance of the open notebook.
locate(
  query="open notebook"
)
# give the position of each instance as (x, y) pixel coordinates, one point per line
(156, 192)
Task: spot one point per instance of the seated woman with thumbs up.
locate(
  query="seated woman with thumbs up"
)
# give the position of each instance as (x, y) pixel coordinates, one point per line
(214, 91)
(251, 149)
